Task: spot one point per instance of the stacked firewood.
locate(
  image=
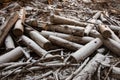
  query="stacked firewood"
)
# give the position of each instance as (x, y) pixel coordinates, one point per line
(87, 42)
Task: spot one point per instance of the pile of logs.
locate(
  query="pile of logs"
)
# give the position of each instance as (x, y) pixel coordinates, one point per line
(88, 41)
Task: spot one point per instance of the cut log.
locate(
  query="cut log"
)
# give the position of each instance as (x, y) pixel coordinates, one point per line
(62, 20)
(40, 40)
(68, 29)
(5, 28)
(87, 50)
(76, 39)
(115, 73)
(64, 43)
(12, 55)
(97, 15)
(90, 68)
(106, 33)
(9, 43)
(111, 44)
(33, 46)
(19, 29)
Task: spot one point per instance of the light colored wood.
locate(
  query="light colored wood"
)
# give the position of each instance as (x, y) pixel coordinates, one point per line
(62, 20)
(76, 39)
(33, 46)
(9, 43)
(64, 43)
(40, 40)
(87, 50)
(12, 55)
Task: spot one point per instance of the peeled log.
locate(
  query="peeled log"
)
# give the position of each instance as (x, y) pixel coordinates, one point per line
(90, 68)
(40, 40)
(111, 44)
(68, 29)
(106, 33)
(76, 39)
(62, 20)
(18, 29)
(35, 47)
(87, 50)
(5, 28)
(64, 43)
(12, 55)
(9, 43)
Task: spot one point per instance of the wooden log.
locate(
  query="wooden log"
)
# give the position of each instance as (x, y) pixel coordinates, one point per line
(32, 22)
(114, 36)
(33, 46)
(87, 50)
(76, 39)
(5, 28)
(9, 43)
(62, 20)
(115, 73)
(88, 28)
(90, 68)
(115, 29)
(111, 44)
(12, 55)
(19, 29)
(106, 33)
(103, 19)
(64, 43)
(97, 15)
(40, 40)
(68, 29)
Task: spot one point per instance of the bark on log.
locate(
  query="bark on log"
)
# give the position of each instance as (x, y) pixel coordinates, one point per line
(68, 29)
(19, 29)
(5, 28)
(9, 43)
(87, 50)
(62, 20)
(40, 40)
(35, 47)
(106, 33)
(103, 19)
(115, 73)
(76, 39)
(90, 68)
(12, 55)
(64, 43)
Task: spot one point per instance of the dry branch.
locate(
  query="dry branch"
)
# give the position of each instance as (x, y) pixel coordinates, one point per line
(90, 68)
